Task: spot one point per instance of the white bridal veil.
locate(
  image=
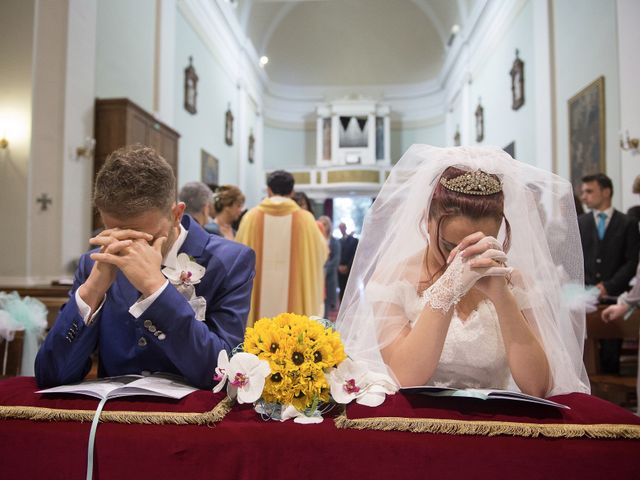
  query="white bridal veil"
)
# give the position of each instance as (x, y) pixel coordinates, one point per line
(545, 250)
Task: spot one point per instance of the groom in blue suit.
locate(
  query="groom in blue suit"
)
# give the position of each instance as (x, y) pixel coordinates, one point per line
(121, 303)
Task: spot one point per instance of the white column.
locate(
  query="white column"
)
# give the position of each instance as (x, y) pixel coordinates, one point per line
(387, 139)
(543, 86)
(164, 67)
(258, 183)
(370, 158)
(79, 101)
(243, 137)
(629, 68)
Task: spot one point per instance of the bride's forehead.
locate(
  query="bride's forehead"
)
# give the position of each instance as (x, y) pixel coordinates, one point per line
(455, 229)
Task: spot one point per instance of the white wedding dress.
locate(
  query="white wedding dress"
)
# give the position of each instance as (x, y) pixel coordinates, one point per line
(473, 355)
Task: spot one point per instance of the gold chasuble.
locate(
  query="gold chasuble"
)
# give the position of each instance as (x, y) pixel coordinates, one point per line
(290, 257)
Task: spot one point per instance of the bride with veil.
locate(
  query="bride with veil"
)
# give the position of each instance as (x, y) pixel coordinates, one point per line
(456, 281)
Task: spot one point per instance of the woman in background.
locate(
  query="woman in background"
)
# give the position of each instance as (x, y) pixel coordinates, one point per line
(228, 202)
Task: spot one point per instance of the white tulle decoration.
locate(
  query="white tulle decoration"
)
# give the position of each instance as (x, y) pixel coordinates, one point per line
(25, 314)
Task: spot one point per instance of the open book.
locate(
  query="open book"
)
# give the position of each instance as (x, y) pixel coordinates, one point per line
(159, 385)
(483, 394)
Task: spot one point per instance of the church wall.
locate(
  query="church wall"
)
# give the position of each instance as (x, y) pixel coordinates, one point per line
(206, 129)
(403, 137)
(15, 124)
(491, 87)
(125, 50)
(289, 147)
(585, 39)
(253, 184)
(628, 12)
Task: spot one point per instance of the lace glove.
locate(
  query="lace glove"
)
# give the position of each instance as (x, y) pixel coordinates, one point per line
(459, 277)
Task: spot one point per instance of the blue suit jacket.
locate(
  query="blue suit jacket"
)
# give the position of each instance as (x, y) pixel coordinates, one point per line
(126, 345)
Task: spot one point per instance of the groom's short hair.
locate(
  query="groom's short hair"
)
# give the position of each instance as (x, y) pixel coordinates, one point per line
(134, 180)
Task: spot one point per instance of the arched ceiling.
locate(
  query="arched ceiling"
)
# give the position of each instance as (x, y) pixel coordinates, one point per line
(351, 42)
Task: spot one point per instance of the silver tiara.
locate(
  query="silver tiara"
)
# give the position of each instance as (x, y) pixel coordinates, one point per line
(472, 183)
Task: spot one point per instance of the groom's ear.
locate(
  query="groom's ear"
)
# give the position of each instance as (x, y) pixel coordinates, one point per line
(177, 211)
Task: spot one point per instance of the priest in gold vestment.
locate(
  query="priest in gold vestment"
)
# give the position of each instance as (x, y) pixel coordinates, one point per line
(290, 253)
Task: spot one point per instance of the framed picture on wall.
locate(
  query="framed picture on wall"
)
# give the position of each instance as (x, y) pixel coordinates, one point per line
(228, 126)
(517, 83)
(209, 168)
(479, 122)
(587, 132)
(252, 147)
(190, 88)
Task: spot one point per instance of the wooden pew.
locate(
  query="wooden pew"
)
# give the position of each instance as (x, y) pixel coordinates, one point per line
(620, 389)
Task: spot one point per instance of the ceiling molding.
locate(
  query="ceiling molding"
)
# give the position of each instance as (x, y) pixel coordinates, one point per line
(245, 14)
(275, 23)
(426, 8)
(462, 11)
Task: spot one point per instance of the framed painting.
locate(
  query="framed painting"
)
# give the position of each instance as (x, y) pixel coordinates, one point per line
(251, 150)
(479, 123)
(209, 168)
(190, 88)
(587, 132)
(517, 83)
(228, 126)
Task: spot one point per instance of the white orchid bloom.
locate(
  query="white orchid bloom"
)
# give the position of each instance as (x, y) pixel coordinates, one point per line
(353, 381)
(186, 271)
(221, 371)
(245, 374)
(298, 417)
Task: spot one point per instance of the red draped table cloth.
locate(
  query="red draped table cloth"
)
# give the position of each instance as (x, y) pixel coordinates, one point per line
(241, 445)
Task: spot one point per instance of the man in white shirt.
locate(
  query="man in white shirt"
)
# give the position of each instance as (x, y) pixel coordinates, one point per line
(610, 243)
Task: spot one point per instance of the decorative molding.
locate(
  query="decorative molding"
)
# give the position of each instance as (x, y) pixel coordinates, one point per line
(353, 176)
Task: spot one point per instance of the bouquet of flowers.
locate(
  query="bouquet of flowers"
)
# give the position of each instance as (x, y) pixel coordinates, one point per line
(293, 366)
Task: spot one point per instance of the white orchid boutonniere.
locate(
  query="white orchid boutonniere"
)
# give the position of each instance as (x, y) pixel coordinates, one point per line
(184, 276)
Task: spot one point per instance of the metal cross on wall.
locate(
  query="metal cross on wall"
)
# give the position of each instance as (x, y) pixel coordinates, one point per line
(44, 200)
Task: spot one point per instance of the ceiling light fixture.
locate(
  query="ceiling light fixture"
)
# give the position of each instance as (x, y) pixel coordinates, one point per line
(264, 60)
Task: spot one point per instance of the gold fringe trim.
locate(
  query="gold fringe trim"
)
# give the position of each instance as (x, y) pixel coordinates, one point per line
(481, 427)
(149, 418)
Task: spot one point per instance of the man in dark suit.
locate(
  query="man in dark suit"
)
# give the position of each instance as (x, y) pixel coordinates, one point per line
(121, 303)
(348, 246)
(610, 243)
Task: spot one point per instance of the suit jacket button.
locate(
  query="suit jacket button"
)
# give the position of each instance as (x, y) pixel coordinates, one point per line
(597, 275)
(142, 342)
(598, 260)
(162, 336)
(147, 323)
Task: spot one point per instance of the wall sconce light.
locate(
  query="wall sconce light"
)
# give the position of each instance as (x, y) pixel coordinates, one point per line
(86, 150)
(4, 143)
(627, 143)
